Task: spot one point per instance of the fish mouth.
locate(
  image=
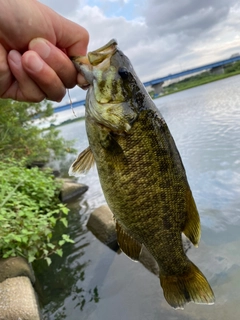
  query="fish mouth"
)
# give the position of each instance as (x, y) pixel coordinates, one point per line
(97, 59)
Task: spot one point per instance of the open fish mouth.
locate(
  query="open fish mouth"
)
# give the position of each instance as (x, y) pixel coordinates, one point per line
(98, 58)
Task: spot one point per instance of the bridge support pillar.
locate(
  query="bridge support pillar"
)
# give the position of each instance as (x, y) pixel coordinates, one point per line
(217, 70)
(158, 88)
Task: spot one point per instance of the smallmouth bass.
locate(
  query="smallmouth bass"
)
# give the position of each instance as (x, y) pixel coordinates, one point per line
(141, 173)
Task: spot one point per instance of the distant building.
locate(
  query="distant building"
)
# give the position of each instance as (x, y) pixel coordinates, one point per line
(234, 55)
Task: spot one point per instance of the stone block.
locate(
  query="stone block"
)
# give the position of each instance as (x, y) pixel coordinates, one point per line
(102, 224)
(71, 190)
(18, 300)
(14, 267)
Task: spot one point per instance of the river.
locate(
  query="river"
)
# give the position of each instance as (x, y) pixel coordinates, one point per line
(94, 283)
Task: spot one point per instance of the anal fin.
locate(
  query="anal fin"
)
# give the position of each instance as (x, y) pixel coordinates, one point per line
(83, 163)
(192, 228)
(127, 243)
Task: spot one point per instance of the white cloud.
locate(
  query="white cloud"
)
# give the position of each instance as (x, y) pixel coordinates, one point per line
(167, 36)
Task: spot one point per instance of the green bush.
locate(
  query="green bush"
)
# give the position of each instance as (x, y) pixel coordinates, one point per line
(29, 210)
(20, 137)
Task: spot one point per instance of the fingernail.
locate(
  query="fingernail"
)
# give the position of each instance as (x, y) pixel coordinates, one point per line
(15, 57)
(84, 86)
(81, 81)
(41, 47)
(33, 62)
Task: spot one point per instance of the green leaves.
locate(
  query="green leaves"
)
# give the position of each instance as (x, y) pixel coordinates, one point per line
(29, 211)
(29, 206)
(64, 221)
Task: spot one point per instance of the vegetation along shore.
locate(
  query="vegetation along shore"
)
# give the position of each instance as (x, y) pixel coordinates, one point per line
(29, 197)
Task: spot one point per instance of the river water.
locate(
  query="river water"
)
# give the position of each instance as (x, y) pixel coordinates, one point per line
(92, 282)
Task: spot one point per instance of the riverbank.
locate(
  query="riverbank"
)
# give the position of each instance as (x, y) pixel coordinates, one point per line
(67, 122)
(195, 81)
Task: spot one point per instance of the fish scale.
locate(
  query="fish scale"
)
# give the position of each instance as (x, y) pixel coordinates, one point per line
(141, 173)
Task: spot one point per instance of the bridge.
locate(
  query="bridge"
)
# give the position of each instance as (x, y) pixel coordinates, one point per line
(157, 83)
(193, 70)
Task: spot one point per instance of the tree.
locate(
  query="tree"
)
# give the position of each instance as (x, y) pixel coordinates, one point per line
(19, 137)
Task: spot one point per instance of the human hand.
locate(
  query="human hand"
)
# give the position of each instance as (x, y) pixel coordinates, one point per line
(35, 43)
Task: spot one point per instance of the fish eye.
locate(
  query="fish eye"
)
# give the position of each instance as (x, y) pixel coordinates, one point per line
(123, 72)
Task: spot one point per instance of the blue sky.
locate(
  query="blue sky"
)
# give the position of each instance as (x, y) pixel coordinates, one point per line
(128, 9)
(159, 36)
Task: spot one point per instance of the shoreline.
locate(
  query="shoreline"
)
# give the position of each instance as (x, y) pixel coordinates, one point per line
(181, 85)
(195, 81)
(66, 122)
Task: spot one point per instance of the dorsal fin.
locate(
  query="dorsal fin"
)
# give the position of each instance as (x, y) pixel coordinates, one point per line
(83, 163)
(192, 228)
(127, 243)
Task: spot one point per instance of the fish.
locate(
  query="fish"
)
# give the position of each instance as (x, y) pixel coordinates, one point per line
(141, 173)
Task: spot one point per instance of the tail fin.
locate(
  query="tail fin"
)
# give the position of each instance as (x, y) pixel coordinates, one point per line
(191, 286)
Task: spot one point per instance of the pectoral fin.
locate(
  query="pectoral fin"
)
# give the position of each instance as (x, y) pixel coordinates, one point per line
(83, 163)
(128, 244)
(192, 228)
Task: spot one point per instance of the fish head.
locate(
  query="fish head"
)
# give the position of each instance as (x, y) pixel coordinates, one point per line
(111, 98)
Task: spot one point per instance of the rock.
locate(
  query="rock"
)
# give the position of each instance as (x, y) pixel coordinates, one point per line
(56, 173)
(17, 296)
(71, 190)
(102, 224)
(18, 300)
(14, 267)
